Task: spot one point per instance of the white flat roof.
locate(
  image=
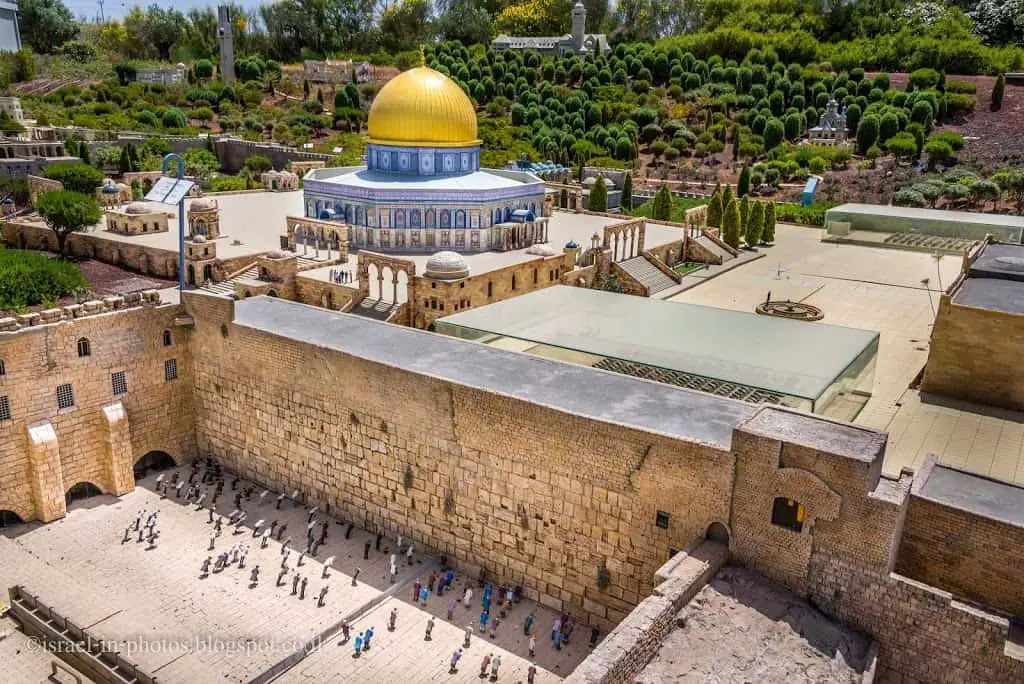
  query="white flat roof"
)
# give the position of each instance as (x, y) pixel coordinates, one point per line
(929, 214)
(361, 177)
(795, 358)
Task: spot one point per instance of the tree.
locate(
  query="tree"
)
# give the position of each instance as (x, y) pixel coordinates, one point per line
(714, 217)
(755, 225)
(46, 24)
(768, 232)
(908, 197)
(727, 196)
(257, 164)
(67, 212)
(75, 177)
(901, 145)
(793, 125)
(982, 191)
(627, 192)
(174, 118)
(774, 132)
(464, 21)
(662, 209)
(867, 133)
(125, 164)
(162, 28)
(853, 117)
(125, 71)
(731, 224)
(83, 153)
(937, 151)
(403, 25)
(204, 68)
(997, 93)
(888, 126)
(743, 185)
(200, 163)
(744, 213)
(598, 199)
(1014, 184)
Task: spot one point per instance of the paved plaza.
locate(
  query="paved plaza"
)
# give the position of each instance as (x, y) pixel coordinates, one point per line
(158, 610)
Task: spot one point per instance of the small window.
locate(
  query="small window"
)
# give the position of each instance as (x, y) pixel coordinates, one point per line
(84, 348)
(5, 408)
(788, 513)
(3, 368)
(65, 396)
(534, 276)
(433, 285)
(462, 285)
(490, 289)
(119, 383)
(662, 520)
(170, 369)
(168, 338)
(513, 281)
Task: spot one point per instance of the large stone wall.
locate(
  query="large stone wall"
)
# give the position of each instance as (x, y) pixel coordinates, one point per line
(958, 551)
(974, 354)
(44, 450)
(925, 635)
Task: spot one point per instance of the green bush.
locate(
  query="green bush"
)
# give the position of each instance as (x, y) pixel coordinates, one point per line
(227, 184)
(811, 215)
(30, 278)
(75, 177)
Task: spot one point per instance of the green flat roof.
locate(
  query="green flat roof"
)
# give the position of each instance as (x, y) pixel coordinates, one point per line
(796, 358)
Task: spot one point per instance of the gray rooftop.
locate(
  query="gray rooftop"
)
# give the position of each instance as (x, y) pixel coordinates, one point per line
(975, 494)
(588, 392)
(794, 358)
(993, 294)
(941, 215)
(999, 261)
(833, 437)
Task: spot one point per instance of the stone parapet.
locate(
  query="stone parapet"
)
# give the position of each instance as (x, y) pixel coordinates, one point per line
(92, 307)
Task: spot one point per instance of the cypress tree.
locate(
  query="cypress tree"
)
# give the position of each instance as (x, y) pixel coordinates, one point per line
(727, 196)
(744, 213)
(714, 219)
(731, 224)
(997, 93)
(125, 164)
(627, 192)
(743, 186)
(768, 232)
(755, 225)
(83, 153)
(305, 90)
(598, 199)
(662, 209)
(319, 96)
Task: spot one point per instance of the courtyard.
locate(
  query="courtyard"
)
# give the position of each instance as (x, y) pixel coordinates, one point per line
(154, 605)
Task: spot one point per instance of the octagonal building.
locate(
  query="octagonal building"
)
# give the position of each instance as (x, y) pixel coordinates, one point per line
(422, 188)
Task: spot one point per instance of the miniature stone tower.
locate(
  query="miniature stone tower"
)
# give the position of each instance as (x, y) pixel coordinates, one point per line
(579, 22)
(225, 36)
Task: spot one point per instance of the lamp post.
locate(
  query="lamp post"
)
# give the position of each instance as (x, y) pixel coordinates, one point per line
(181, 217)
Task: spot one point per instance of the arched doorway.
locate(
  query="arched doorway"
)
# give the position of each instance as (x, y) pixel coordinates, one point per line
(9, 519)
(82, 490)
(152, 462)
(718, 532)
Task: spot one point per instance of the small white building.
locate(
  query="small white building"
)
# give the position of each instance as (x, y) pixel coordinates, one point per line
(831, 126)
(168, 76)
(577, 42)
(12, 106)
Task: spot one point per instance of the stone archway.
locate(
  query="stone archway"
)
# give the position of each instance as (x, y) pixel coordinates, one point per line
(81, 490)
(9, 518)
(153, 461)
(718, 532)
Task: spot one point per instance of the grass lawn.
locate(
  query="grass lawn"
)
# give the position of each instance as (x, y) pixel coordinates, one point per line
(687, 267)
(679, 207)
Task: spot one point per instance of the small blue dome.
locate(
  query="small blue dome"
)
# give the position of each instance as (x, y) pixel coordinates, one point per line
(571, 244)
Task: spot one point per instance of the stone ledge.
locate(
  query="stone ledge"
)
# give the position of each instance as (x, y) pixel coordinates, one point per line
(92, 307)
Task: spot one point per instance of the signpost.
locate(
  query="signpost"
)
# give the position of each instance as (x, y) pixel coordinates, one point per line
(173, 191)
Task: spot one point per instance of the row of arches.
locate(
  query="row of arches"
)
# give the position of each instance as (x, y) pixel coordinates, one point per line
(153, 461)
(356, 215)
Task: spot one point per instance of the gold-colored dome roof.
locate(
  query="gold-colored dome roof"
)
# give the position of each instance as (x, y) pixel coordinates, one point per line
(422, 107)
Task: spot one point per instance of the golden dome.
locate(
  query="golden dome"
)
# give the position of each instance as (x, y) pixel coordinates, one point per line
(422, 108)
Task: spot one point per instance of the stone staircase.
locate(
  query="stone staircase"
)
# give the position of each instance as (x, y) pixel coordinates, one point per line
(377, 309)
(645, 272)
(227, 287)
(715, 248)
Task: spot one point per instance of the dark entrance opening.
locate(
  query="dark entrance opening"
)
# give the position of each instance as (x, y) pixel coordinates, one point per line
(82, 490)
(718, 532)
(152, 462)
(788, 513)
(9, 519)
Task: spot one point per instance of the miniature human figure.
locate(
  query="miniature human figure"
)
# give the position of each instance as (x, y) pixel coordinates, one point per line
(484, 664)
(467, 598)
(495, 664)
(531, 673)
(533, 645)
(430, 628)
(455, 661)
(391, 619)
(359, 644)
(527, 623)
(451, 607)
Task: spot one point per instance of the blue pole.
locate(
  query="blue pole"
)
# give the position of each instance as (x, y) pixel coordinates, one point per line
(181, 217)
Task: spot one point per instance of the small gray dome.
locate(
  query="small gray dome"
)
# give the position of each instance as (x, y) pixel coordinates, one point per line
(541, 250)
(199, 239)
(203, 204)
(446, 266)
(279, 254)
(137, 208)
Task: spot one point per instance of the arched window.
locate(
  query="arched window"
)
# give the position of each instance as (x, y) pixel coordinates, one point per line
(3, 368)
(431, 221)
(460, 219)
(446, 218)
(535, 276)
(490, 288)
(414, 218)
(84, 348)
(168, 338)
(513, 281)
(788, 513)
